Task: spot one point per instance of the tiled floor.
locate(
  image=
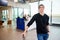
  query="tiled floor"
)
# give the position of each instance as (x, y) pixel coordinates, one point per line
(10, 33)
(14, 34)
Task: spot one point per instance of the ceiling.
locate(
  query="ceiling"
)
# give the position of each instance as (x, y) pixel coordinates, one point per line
(25, 0)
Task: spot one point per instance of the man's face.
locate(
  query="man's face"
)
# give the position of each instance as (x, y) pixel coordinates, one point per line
(41, 9)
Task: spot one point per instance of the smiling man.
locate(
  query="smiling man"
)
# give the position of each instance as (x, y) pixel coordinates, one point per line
(42, 22)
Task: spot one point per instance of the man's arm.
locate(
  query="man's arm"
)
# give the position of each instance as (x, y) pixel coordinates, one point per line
(48, 28)
(26, 29)
(28, 25)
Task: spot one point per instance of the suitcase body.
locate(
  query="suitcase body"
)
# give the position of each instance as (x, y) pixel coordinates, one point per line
(20, 23)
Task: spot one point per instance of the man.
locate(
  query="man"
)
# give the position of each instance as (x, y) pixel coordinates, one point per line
(42, 22)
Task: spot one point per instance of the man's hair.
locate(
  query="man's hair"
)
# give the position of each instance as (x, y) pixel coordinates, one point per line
(40, 5)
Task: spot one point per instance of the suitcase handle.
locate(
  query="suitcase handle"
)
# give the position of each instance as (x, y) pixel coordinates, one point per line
(23, 37)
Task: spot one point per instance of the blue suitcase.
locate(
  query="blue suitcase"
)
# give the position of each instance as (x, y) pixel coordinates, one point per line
(20, 23)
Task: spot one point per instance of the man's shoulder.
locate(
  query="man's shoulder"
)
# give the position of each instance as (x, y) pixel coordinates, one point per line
(46, 15)
(36, 14)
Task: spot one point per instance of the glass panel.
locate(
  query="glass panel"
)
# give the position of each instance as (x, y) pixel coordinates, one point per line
(27, 12)
(4, 13)
(14, 15)
(20, 11)
(34, 8)
(15, 12)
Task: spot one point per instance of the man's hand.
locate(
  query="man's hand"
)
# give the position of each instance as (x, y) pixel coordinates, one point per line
(25, 32)
(48, 29)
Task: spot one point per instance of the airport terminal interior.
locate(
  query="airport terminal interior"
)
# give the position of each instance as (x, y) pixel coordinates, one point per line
(12, 11)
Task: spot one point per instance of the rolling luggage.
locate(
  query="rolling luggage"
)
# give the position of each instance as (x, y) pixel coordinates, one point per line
(20, 23)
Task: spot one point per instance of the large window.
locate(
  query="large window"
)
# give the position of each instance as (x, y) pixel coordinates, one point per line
(27, 12)
(20, 12)
(15, 12)
(34, 8)
(4, 13)
(56, 12)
